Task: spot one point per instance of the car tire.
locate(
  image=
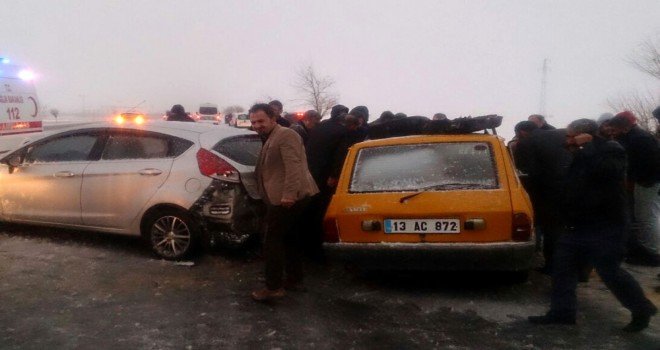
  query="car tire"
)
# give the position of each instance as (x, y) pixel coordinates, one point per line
(172, 234)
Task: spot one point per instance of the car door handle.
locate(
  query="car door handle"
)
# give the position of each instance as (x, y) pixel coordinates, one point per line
(64, 174)
(151, 171)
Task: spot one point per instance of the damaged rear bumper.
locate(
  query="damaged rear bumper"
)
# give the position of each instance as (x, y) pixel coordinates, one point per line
(227, 215)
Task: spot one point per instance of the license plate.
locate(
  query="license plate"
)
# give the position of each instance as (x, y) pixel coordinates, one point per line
(423, 226)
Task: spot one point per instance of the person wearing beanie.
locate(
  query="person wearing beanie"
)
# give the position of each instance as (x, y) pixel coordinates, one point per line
(361, 112)
(643, 188)
(385, 117)
(628, 115)
(178, 114)
(594, 211)
(604, 118)
(539, 120)
(359, 135)
(604, 129)
(338, 111)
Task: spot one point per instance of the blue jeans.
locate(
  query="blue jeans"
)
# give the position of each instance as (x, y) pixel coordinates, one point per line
(603, 246)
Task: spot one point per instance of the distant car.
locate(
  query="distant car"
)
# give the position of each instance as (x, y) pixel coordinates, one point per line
(439, 202)
(242, 120)
(130, 117)
(208, 112)
(176, 184)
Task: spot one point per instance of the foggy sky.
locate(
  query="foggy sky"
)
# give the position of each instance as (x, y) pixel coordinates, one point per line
(418, 57)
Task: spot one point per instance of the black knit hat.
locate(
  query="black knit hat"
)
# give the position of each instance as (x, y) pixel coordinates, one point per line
(361, 112)
(337, 111)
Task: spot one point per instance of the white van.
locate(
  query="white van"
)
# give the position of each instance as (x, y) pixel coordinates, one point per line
(208, 112)
(19, 106)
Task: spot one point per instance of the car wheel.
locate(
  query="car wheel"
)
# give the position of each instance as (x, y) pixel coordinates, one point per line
(172, 234)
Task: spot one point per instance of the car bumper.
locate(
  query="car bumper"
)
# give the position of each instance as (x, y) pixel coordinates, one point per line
(228, 215)
(504, 256)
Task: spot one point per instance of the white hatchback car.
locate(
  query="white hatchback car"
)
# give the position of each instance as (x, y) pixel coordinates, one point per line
(177, 184)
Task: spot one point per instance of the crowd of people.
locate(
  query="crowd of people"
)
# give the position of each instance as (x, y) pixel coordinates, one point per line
(595, 189)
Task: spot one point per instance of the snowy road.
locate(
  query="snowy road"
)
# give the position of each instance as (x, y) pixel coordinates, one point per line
(75, 290)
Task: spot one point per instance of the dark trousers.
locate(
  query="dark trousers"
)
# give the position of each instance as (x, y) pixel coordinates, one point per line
(603, 246)
(282, 251)
(313, 220)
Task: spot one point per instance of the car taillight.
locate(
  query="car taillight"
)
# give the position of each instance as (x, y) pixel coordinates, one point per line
(330, 231)
(214, 166)
(522, 228)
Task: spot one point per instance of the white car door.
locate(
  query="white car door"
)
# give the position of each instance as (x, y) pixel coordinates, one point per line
(132, 167)
(45, 187)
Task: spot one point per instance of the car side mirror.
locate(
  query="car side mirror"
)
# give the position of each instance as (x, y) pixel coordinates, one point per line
(14, 161)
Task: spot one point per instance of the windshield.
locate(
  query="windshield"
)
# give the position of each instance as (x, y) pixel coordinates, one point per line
(425, 167)
(208, 110)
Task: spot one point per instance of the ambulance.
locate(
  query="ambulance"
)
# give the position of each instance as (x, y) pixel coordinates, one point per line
(19, 106)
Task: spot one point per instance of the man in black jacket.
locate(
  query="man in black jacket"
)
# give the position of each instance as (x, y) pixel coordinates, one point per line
(545, 160)
(595, 215)
(322, 143)
(643, 187)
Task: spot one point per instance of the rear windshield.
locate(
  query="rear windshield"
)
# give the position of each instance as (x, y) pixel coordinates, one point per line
(208, 110)
(432, 166)
(243, 149)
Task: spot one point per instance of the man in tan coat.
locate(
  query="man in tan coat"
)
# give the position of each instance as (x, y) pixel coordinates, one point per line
(286, 186)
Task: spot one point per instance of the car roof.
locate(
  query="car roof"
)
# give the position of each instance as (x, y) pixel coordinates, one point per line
(405, 140)
(188, 130)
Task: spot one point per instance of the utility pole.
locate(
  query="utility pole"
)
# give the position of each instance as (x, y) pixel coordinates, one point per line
(544, 83)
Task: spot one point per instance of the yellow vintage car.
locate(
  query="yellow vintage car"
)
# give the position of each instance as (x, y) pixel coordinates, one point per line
(438, 202)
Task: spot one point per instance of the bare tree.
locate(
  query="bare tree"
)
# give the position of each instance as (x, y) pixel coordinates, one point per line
(233, 109)
(316, 91)
(646, 58)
